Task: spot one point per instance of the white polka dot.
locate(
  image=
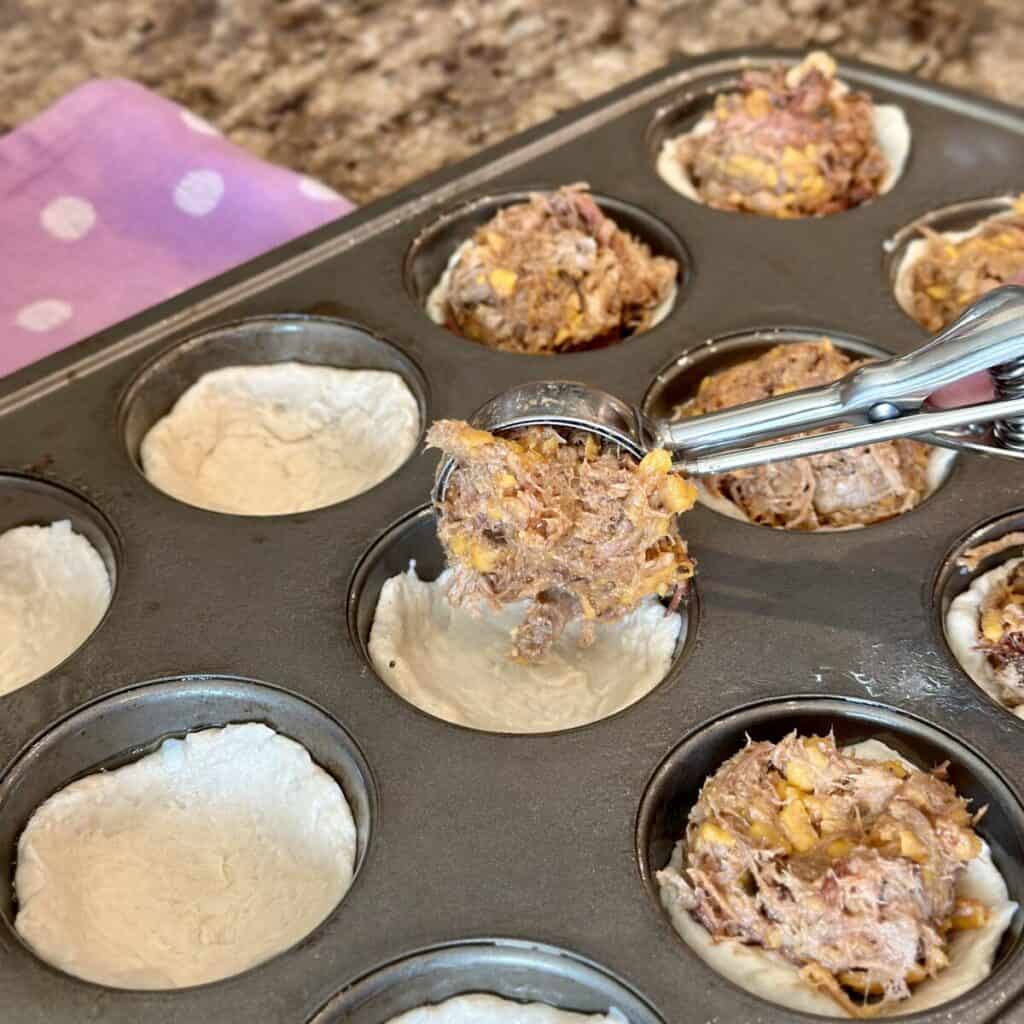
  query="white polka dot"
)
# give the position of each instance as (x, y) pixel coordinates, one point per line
(197, 124)
(314, 189)
(44, 315)
(68, 218)
(199, 193)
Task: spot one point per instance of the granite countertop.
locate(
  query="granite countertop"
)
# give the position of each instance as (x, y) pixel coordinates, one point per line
(371, 94)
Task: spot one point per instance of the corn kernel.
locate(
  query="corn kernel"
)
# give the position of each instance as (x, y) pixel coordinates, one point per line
(483, 559)
(912, 847)
(800, 775)
(712, 833)
(968, 914)
(797, 826)
(678, 494)
(503, 281)
(992, 624)
(657, 461)
(473, 438)
(768, 834)
(897, 768)
(815, 747)
(937, 291)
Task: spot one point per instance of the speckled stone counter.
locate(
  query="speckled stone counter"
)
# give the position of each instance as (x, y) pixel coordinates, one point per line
(370, 95)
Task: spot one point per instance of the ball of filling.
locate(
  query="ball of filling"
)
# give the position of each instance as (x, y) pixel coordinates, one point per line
(949, 271)
(844, 866)
(852, 487)
(793, 143)
(579, 530)
(554, 274)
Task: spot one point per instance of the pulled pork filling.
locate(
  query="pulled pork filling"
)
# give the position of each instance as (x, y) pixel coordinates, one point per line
(852, 487)
(846, 867)
(1001, 628)
(555, 274)
(950, 275)
(793, 143)
(579, 531)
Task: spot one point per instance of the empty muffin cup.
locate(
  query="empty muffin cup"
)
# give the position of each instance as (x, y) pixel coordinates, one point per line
(767, 495)
(181, 831)
(58, 571)
(458, 667)
(583, 246)
(676, 784)
(274, 415)
(512, 971)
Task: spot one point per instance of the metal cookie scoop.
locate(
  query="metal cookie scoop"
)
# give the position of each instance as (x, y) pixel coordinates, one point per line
(882, 401)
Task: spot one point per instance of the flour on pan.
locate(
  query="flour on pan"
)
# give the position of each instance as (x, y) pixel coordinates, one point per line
(54, 590)
(281, 438)
(192, 864)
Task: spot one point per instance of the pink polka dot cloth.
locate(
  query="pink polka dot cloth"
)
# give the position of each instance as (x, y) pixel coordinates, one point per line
(115, 199)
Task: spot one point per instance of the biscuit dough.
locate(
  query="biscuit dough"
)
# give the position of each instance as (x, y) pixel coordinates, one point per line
(194, 863)
(281, 438)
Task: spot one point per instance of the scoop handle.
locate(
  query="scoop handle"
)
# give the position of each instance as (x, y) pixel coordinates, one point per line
(883, 400)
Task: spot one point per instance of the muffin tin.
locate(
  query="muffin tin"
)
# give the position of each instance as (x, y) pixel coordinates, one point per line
(519, 864)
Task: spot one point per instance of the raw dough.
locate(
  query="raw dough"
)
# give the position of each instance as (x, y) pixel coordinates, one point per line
(456, 666)
(54, 590)
(282, 438)
(481, 1008)
(191, 864)
(971, 952)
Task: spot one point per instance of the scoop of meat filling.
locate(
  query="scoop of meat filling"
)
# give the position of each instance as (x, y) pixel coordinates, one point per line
(953, 272)
(579, 531)
(846, 867)
(852, 487)
(791, 143)
(554, 274)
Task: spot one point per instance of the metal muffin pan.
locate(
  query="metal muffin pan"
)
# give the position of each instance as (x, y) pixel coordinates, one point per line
(518, 970)
(478, 836)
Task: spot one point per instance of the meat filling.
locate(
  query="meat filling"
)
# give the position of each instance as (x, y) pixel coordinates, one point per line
(950, 275)
(852, 487)
(847, 868)
(793, 143)
(579, 531)
(555, 274)
(1001, 637)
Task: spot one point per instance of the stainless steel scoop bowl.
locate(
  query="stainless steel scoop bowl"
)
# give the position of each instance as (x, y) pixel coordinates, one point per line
(879, 402)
